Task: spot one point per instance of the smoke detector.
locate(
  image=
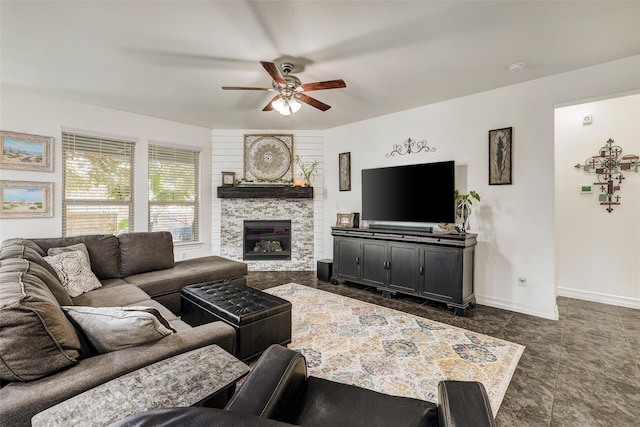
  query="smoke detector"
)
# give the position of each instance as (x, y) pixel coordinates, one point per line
(515, 67)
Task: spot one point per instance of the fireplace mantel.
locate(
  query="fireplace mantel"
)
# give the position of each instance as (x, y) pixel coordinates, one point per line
(265, 192)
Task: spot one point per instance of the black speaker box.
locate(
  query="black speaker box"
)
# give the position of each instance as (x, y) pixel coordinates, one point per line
(325, 269)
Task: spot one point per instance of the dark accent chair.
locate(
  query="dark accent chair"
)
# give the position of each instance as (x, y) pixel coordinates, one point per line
(278, 392)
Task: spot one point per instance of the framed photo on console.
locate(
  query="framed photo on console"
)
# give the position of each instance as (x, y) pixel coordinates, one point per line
(348, 220)
(500, 148)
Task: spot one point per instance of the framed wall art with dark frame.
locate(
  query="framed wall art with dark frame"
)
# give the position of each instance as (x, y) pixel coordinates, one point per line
(268, 158)
(26, 199)
(23, 151)
(344, 167)
(500, 155)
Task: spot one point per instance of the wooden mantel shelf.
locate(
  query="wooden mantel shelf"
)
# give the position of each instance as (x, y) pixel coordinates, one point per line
(265, 192)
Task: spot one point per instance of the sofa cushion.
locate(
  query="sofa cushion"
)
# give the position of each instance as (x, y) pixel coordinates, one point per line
(113, 328)
(188, 272)
(112, 295)
(143, 252)
(25, 252)
(77, 247)
(37, 266)
(36, 338)
(74, 272)
(103, 252)
(23, 242)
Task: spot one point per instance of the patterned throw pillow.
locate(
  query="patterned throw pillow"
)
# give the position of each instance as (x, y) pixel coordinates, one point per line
(77, 247)
(74, 272)
(113, 328)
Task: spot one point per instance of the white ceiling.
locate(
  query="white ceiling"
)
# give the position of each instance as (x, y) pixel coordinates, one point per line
(168, 59)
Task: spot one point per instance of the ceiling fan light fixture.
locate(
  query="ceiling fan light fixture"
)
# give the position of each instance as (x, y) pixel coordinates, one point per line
(286, 105)
(294, 105)
(290, 90)
(278, 104)
(286, 111)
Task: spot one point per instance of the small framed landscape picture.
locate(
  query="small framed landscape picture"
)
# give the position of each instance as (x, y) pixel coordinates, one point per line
(26, 199)
(23, 151)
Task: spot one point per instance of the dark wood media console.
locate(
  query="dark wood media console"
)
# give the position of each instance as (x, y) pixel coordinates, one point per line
(434, 266)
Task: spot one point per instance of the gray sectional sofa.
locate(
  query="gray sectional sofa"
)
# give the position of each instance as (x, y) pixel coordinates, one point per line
(46, 356)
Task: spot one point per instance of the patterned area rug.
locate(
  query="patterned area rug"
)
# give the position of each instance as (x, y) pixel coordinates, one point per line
(354, 342)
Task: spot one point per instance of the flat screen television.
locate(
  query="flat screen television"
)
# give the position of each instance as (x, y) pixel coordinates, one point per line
(409, 193)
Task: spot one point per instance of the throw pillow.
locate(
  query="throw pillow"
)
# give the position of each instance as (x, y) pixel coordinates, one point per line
(74, 272)
(113, 328)
(77, 247)
(36, 338)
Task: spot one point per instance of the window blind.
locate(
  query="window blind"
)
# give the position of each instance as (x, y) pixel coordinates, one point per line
(174, 192)
(98, 185)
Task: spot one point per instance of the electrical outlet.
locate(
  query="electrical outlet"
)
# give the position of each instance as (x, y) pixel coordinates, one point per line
(522, 281)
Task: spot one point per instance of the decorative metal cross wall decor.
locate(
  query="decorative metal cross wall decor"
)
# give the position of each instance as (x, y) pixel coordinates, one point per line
(410, 146)
(608, 166)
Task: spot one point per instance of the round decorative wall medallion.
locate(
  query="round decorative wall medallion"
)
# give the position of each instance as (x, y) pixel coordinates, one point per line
(268, 158)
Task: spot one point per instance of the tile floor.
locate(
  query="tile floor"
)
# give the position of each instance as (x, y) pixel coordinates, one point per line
(582, 370)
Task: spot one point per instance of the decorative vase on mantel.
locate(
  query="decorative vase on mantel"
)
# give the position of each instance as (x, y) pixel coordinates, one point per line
(308, 170)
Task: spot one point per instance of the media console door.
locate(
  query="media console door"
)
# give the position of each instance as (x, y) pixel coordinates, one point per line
(430, 265)
(404, 268)
(346, 258)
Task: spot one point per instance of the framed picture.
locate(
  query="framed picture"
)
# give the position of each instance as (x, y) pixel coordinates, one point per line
(350, 220)
(500, 149)
(268, 158)
(23, 151)
(26, 199)
(344, 165)
(228, 178)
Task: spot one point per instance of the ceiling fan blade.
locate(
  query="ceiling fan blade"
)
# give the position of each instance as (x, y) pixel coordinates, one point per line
(273, 71)
(269, 89)
(330, 84)
(312, 101)
(269, 107)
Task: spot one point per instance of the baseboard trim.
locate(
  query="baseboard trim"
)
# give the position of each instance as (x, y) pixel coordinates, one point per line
(599, 297)
(520, 308)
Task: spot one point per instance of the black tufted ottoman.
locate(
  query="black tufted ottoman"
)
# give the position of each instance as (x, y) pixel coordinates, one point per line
(260, 319)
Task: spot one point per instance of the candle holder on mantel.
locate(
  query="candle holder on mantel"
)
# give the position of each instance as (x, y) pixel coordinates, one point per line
(608, 165)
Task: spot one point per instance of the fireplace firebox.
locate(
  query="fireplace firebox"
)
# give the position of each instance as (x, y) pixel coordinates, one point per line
(267, 240)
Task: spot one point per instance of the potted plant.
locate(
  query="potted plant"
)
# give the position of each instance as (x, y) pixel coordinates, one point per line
(463, 207)
(308, 169)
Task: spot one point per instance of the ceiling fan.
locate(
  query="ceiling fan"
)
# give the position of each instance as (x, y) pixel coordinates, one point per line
(290, 89)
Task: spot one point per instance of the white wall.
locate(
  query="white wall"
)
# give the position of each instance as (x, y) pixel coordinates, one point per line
(22, 111)
(228, 145)
(598, 253)
(515, 222)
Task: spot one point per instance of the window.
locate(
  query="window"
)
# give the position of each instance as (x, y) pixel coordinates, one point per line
(174, 202)
(98, 185)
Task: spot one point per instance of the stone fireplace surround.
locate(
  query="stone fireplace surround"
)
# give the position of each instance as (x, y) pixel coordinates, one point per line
(300, 211)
